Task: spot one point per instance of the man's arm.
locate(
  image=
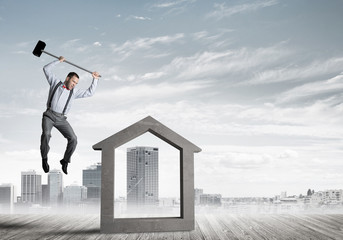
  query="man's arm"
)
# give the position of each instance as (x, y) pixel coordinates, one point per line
(91, 90)
(50, 76)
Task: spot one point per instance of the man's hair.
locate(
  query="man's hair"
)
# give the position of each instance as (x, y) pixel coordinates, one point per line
(72, 74)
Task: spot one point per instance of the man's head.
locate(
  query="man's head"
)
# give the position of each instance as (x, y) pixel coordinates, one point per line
(72, 80)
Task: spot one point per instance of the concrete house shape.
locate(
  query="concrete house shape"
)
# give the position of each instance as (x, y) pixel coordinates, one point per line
(109, 224)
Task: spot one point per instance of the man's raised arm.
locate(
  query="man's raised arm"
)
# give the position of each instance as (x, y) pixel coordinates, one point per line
(50, 76)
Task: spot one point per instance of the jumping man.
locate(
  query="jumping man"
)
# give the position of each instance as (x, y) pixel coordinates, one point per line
(61, 96)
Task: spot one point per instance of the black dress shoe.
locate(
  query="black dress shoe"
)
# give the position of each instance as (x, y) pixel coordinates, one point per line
(64, 166)
(45, 165)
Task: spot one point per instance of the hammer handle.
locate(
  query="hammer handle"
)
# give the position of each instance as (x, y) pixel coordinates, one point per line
(52, 55)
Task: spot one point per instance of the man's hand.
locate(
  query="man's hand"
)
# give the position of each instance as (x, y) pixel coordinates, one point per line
(61, 59)
(95, 75)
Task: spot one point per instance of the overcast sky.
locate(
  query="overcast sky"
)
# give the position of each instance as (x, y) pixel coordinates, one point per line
(257, 85)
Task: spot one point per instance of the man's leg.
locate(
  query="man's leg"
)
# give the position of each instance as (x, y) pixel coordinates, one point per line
(47, 124)
(67, 131)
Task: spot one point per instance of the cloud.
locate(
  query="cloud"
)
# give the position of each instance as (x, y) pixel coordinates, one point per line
(222, 11)
(98, 44)
(333, 86)
(246, 124)
(224, 64)
(130, 46)
(139, 18)
(70, 43)
(296, 73)
(4, 140)
(172, 4)
(145, 92)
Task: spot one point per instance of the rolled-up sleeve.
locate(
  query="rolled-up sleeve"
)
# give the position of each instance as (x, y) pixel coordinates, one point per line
(81, 93)
(50, 76)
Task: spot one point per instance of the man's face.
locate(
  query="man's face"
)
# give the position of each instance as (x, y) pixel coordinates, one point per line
(71, 82)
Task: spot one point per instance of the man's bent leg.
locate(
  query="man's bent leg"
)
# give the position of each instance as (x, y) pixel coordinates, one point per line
(68, 132)
(47, 124)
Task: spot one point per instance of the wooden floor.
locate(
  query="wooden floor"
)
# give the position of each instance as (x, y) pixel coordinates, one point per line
(223, 226)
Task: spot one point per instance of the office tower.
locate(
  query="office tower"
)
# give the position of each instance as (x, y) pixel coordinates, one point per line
(55, 182)
(197, 193)
(45, 195)
(31, 187)
(142, 176)
(6, 198)
(91, 179)
(74, 194)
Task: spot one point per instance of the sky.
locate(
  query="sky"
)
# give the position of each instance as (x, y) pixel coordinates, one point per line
(257, 85)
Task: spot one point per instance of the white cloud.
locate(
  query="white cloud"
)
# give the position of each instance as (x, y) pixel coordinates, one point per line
(20, 52)
(215, 64)
(98, 44)
(130, 46)
(145, 92)
(331, 86)
(317, 122)
(140, 18)
(172, 3)
(70, 43)
(222, 11)
(296, 73)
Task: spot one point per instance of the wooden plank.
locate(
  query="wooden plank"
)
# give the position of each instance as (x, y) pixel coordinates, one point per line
(223, 226)
(196, 234)
(220, 228)
(256, 226)
(331, 229)
(294, 224)
(276, 229)
(238, 228)
(206, 228)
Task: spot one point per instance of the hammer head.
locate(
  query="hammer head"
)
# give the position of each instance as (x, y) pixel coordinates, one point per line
(39, 48)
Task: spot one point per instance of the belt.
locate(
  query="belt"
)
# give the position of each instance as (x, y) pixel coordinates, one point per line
(56, 113)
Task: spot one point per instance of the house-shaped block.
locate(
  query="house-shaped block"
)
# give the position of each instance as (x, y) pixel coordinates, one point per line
(109, 224)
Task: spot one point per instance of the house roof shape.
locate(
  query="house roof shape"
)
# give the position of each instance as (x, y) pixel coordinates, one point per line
(109, 224)
(148, 124)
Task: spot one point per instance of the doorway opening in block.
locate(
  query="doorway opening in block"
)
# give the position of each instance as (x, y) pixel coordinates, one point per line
(147, 179)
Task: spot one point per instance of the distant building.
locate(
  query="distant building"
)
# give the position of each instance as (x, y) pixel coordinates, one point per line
(327, 197)
(74, 194)
(91, 179)
(31, 187)
(45, 195)
(332, 196)
(283, 195)
(55, 182)
(211, 199)
(316, 198)
(142, 176)
(6, 198)
(197, 193)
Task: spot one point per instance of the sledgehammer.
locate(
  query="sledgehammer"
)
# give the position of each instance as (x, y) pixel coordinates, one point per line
(39, 49)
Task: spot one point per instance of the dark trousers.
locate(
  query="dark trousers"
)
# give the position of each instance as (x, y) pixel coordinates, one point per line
(52, 119)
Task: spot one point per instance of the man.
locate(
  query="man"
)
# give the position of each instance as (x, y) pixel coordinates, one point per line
(61, 96)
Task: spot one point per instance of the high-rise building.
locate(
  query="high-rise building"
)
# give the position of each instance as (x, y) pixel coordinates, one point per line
(45, 195)
(197, 193)
(6, 198)
(31, 187)
(91, 179)
(55, 182)
(74, 194)
(142, 176)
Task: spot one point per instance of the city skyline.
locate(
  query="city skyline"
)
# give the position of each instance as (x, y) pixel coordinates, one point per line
(257, 85)
(38, 175)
